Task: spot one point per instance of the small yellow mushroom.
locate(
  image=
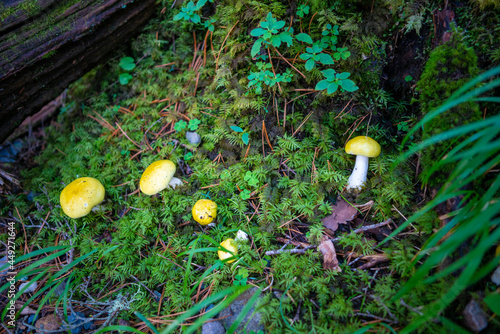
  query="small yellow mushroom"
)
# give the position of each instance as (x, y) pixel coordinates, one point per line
(204, 211)
(80, 196)
(157, 177)
(231, 246)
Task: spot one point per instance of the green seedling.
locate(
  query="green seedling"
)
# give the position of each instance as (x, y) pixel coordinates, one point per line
(269, 34)
(266, 77)
(245, 137)
(251, 179)
(341, 53)
(302, 11)
(335, 80)
(127, 64)
(329, 38)
(245, 194)
(314, 55)
(188, 156)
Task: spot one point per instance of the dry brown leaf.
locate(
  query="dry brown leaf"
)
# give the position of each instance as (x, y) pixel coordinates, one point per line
(342, 212)
(330, 261)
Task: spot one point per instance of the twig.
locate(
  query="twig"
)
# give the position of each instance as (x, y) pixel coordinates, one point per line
(409, 307)
(377, 298)
(292, 251)
(366, 228)
(369, 315)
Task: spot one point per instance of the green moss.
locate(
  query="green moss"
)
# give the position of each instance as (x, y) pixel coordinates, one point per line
(449, 66)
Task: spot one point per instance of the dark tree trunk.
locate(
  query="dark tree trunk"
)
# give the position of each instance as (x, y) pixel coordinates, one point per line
(47, 44)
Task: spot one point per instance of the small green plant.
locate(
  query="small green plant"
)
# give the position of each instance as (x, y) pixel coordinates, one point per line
(180, 125)
(127, 64)
(245, 194)
(193, 124)
(302, 11)
(266, 77)
(245, 137)
(341, 53)
(330, 38)
(269, 34)
(241, 278)
(314, 54)
(335, 80)
(251, 179)
(188, 156)
(408, 78)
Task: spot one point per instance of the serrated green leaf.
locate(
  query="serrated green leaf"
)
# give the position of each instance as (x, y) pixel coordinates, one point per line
(256, 47)
(287, 38)
(332, 88)
(257, 32)
(310, 64)
(303, 37)
(323, 84)
(325, 59)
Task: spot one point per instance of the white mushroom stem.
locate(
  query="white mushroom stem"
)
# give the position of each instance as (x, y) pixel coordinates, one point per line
(358, 176)
(175, 182)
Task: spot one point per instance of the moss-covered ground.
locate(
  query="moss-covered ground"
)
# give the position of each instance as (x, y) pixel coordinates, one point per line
(274, 113)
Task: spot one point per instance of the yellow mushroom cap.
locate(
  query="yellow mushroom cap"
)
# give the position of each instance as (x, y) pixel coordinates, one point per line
(363, 145)
(204, 211)
(157, 176)
(230, 245)
(80, 196)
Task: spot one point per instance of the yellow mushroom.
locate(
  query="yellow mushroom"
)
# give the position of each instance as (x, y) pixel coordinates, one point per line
(363, 148)
(204, 211)
(230, 245)
(80, 196)
(157, 177)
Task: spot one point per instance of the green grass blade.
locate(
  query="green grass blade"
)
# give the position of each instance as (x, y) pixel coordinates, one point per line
(148, 323)
(244, 311)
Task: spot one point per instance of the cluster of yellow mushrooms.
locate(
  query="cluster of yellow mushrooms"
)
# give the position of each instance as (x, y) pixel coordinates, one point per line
(83, 194)
(80, 196)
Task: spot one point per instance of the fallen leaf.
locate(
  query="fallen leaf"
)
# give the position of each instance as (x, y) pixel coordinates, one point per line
(330, 261)
(26, 311)
(342, 212)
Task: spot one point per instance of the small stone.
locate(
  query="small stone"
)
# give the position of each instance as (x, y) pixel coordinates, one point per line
(213, 327)
(60, 289)
(50, 322)
(495, 278)
(31, 288)
(192, 137)
(475, 318)
(228, 315)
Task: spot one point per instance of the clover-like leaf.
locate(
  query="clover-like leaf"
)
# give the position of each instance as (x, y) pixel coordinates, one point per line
(193, 124)
(245, 194)
(180, 125)
(124, 78)
(127, 63)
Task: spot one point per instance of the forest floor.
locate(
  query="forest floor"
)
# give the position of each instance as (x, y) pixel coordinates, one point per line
(254, 102)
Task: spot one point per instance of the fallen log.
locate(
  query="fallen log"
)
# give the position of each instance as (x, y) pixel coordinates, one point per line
(47, 44)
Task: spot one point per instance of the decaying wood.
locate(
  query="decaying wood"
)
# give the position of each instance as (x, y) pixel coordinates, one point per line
(43, 51)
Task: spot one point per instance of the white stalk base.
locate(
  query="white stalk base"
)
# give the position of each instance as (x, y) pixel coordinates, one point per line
(358, 176)
(175, 182)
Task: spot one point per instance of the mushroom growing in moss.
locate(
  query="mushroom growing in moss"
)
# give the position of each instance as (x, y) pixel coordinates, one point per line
(158, 176)
(364, 148)
(80, 196)
(204, 211)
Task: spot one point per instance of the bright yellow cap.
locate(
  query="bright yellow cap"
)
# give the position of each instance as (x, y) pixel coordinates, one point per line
(204, 211)
(230, 245)
(80, 196)
(363, 145)
(157, 176)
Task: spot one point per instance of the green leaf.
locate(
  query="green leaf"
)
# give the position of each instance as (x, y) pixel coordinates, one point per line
(305, 56)
(323, 84)
(245, 138)
(124, 78)
(256, 47)
(127, 63)
(179, 16)
(332, 88)
(343, 75)
(257, 32)
(303, 37)
(147, 322)
(287, 38)
(348, 85)
(236, 128)
(493, 302)
(310, 64)
(325, 59)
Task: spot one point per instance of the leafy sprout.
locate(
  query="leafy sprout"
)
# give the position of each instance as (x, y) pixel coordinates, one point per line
(269, 34)
(314, 55)
(335, 80)
(193, 124)
(180, 125)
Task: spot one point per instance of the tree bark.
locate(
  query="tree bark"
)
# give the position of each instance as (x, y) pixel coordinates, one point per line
(47, 44)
